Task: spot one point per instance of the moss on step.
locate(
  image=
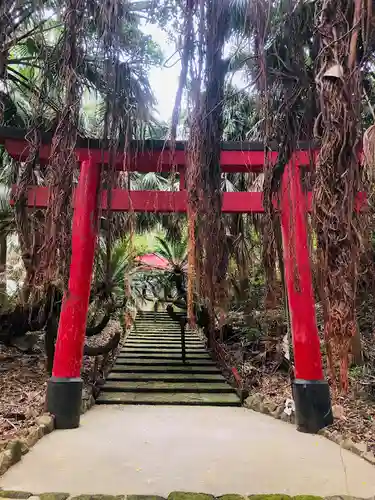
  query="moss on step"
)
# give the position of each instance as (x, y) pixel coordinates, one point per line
(307, 497)
(99, 497)
(169, 398)
(22, 495)
(270, 497)
(144, 497)
(166, 377)
(54, 496)
(150, 362)
(181, 495)
(231, 496)
(150, 386)
(281, 497)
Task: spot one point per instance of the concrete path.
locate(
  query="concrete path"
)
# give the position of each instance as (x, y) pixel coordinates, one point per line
(158, 449)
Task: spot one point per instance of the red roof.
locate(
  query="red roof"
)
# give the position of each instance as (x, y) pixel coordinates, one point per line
(153, 260)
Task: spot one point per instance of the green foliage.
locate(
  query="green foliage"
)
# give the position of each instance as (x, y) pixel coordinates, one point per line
(240, 115)
(169, 285)
(115, 279)
(174, 251)
(146, 242)
(33, 58)
(356, 372)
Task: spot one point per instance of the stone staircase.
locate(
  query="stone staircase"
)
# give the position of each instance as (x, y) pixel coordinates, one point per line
(149, 369)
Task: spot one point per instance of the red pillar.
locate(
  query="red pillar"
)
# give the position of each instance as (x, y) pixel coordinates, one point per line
(311, 392)
(65, 386)
(298, 278)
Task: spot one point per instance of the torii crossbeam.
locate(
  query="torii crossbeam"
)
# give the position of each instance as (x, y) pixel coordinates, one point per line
(311, 392)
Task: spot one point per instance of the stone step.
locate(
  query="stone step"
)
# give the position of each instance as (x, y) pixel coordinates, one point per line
(136, 360)
(167, 377)
(168, 336)
(152, 325)
(155, 331)
(149, 369)
(163, 356)
(192, 398)
(161, 348)
(157, 324)
(167, 350)
(135, 368)
(173, 345)
(162, 339)
(166, 386)
(143, 314)
(169, 328)
(163, 345)
(156, 314)
(156, 319)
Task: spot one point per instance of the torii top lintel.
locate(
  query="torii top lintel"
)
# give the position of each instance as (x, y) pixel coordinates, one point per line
(152, 155)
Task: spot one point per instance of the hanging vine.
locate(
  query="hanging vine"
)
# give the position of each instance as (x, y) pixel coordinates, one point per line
(110, 15)
(55, 254)
(205, 29)
(341, 29)
(122, 114)
(284, 51)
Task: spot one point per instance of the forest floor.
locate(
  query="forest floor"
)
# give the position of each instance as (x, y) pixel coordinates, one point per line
(354, 413)
(23, 381)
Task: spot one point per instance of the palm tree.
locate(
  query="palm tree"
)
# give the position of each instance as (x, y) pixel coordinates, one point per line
(113, 281)
(30, 54)
(241, 119)
(33, 54)
(169, 285)
(175, 252)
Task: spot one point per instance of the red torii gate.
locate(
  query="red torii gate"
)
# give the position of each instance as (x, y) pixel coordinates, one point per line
(311, 391)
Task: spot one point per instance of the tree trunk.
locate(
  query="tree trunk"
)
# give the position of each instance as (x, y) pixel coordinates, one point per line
(287, 340)
(110, 345)
(3, 268)
(96, 329)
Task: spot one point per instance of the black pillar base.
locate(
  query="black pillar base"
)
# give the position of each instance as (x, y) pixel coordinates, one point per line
(64, 397)
(313, 405)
